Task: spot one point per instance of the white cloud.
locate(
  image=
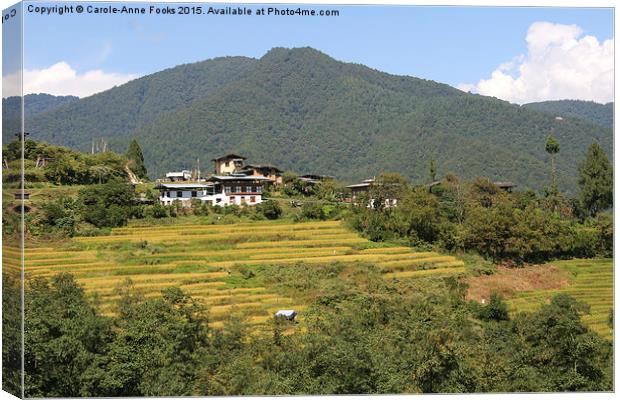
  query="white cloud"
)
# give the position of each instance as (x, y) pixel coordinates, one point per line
(560, 63)
(61, 79)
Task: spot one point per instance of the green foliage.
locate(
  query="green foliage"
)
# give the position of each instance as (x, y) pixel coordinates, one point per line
(107, 205)
(463, 216)
(596, 180)
(65, 340)
(12, 335)
(270, 209)
(363, 335)
(496, 310)
(136, 159)
(64, 166)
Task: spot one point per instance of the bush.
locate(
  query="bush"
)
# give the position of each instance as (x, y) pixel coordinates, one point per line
(270, 209)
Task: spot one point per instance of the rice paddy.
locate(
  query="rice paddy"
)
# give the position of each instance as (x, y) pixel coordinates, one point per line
(219, 264)
(590, 281)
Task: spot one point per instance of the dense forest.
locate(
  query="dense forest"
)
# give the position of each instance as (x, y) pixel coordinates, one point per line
(304, 111)
(600, 114)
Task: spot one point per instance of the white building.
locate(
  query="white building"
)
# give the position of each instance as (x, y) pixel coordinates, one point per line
(222, 190)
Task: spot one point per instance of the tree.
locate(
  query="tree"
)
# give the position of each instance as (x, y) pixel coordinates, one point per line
(270, 209)
(553, 147)
(596, 180)
(65, 340)
(107, 205)
(136, 159)
(432, 170)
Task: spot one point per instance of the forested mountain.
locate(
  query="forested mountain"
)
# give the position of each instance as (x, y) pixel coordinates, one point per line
(302, 110)
(600, 114)
(34, 104)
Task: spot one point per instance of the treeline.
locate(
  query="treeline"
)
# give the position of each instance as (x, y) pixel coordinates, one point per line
(523, 226)
(60, 165)
(383, 338)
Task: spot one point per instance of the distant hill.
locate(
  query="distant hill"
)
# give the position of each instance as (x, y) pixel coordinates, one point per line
(600, 114)
(34, 104)
(304, 111)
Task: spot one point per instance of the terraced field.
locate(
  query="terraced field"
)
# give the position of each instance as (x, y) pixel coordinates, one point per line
(591, 282)
(215, 263)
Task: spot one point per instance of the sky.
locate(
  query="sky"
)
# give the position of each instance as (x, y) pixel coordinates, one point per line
(517, 54)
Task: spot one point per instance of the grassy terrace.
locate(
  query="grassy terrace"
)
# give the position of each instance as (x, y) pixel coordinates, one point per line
(221, 264)
(591, 281)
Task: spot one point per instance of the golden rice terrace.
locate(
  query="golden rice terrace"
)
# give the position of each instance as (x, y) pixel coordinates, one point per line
(214, 263)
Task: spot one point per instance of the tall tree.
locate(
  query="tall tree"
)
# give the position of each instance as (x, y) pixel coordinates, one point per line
(553, 147)
(432, 170)
(596, 180)
(136, 159)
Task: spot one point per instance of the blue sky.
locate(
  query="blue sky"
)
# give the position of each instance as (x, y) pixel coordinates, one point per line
(453, 45)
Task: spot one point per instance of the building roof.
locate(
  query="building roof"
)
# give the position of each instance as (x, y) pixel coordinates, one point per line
(178, 174)
(264, 166)
(236, 177)
(365, 183)
(187, 185)
(230, 156)
(315, 177)
(505, 184)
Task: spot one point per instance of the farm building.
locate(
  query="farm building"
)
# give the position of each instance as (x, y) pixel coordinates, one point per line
(220, 190)
(314, 179)
(507, 186)
(274, 174)
(228, 164)
(364, 187)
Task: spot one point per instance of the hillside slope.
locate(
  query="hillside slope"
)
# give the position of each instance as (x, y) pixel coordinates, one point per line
(600, 114)
(302, 110)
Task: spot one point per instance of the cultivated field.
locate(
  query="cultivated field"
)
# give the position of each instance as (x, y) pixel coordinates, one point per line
(590, 281)
(219, 264)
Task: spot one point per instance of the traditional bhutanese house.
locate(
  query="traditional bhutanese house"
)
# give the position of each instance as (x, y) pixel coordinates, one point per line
(228, 164)
(185, 192)
(274, 174)
(239, 189)
(180, 176)
(360, 188)
(507, 186)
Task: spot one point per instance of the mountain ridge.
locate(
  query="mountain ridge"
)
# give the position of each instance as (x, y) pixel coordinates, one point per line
(302, 110)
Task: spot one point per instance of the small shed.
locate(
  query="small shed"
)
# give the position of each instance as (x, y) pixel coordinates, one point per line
(22, 196)
(286, 314)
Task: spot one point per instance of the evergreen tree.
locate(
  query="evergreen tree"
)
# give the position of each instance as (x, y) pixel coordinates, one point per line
(432, 170)
(553, 147)
(596, 180)
(136, 159)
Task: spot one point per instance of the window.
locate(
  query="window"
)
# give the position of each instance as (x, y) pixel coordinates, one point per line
(194, 193)
(227, 189)
(231, 199)
(179, 193)
(242, 199)
(167, 194)
(237, 189)
(252, 199)
(227, 163)
(259, 189)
